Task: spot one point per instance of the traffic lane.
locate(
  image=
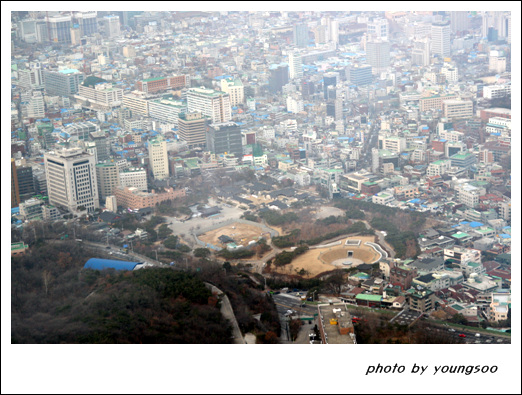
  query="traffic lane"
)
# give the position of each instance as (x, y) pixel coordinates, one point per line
(470, 336)
(285, 302)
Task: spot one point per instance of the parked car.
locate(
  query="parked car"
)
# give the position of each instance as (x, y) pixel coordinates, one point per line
(462, 335)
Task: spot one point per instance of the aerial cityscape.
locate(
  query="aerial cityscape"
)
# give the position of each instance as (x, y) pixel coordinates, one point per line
(282, 177)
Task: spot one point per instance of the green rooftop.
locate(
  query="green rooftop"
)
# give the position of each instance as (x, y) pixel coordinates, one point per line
(18, 246)
(461, 156)
(153, 79)
(460, 235)
(369, 298)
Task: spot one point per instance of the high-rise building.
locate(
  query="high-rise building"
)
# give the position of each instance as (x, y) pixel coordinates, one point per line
(334, 32)
(378, 29)
(108, 177)
(497, 61)
(459, 21)
(134, 177)
(334, 108)
(457, 109)
(506, 27)
(420, 55)
(440, 39)
(36, 106)
(88, 22)
(71, 180)
(224, 138)
(166, 109)
(211, 103)
(60, 28)
(295, 64)
(27, 30)
(62, 82)
(42, 33)
(234, 87)
(32, 76)
(278, 77)
(329, 79)
(301, 35)
(158, 159)
(102, 95)
(360, 75)
(496, 25)
(192, 128)
(24, 175)
(378, 55)
(112, 25)
(450, 73)
(15, 193)
(320, 36)
(75, 34)
(102, 145)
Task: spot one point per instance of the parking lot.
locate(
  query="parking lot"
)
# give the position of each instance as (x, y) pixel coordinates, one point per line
(406, 317)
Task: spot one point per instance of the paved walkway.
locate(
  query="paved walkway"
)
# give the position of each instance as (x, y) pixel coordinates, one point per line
(228, 313)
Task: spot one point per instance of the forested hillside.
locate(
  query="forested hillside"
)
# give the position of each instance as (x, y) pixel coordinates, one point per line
(54, 300)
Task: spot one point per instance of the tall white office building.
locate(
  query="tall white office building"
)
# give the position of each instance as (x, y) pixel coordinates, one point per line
(334, 32)
(71, 180)
(211, 103)
(113, 25)
(295, 65)
(459, 21)
(36, 106)
(378, 55)
(378, 28)
(420, 54)
(158, 159)
(440, 39)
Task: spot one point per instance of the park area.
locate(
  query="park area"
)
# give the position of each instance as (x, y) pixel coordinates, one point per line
(319, 260)
(241, 233)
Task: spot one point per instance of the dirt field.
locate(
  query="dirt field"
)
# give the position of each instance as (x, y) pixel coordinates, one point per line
(324, 212)
(241, 233)
(320, 260)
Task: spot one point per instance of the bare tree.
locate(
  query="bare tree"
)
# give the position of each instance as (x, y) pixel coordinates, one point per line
(47, 278)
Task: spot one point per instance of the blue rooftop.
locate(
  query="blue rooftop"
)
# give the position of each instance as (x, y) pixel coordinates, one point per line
(475, 224)
(68, 71)
(101, 264)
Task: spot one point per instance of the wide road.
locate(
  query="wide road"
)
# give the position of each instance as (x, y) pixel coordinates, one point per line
(285, 302)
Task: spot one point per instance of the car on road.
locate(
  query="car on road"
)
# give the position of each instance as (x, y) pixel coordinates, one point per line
(108, 247)
(462, 335)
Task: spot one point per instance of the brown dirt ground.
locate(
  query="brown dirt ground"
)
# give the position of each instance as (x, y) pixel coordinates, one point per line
(311, 262)
(242, 234)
